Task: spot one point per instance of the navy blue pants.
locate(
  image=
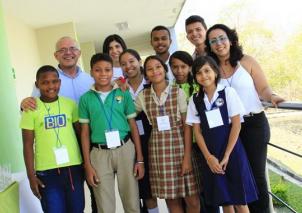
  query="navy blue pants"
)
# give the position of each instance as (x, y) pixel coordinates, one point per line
(63, 191)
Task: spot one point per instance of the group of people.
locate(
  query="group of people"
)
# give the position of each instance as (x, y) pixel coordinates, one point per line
(135, 121)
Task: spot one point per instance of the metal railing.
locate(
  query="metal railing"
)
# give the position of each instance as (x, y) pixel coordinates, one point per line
(288, 106)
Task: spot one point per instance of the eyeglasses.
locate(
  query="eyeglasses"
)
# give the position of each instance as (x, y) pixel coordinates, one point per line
(65, 50)
(219, 40)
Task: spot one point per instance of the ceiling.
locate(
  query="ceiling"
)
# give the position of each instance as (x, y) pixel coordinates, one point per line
(96, 19)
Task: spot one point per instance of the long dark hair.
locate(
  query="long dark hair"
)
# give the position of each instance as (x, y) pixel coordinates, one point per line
(236, 52)
(188, 60)
(109, 39)
(199, 63)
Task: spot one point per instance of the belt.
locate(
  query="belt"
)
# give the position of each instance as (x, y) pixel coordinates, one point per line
(104, 146)
(251, 114)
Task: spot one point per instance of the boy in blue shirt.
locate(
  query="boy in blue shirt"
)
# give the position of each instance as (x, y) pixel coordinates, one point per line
(107, 116)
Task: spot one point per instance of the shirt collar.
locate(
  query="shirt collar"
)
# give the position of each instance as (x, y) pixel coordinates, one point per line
(78, 71)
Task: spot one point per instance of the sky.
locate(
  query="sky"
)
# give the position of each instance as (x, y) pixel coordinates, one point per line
(282, 17)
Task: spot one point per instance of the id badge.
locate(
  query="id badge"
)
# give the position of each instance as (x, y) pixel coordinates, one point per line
(214, 118)
(61, 155)
(113, 138)
(140, 127)
(163, 123)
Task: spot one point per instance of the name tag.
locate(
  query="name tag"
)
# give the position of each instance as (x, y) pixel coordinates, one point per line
(113, 138)
(61, 155)
(214, 118)
(163, 123)
(140, 127)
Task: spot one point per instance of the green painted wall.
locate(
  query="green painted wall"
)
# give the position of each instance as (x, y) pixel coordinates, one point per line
(10, 134)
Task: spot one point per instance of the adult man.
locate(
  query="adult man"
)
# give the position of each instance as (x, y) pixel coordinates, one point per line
(196, 29)
(161, 41)
(74, 81)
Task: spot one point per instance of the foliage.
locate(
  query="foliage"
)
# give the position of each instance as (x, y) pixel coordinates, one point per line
(280, 190)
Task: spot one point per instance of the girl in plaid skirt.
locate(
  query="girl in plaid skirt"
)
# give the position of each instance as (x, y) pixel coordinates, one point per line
(170, 168)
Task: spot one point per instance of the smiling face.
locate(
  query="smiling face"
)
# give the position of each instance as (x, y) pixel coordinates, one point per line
(180, 70)
(206, 76)
(219, 43)
(102, 74)
(160, 41)
(115, 49)
(49, 85)
(196, 33)
(155, 72)
(67, 53)
(130, 65)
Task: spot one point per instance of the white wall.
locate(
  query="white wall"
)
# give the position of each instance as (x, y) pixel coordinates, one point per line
(24, 54)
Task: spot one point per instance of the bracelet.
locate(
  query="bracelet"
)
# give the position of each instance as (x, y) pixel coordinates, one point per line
(140, 162)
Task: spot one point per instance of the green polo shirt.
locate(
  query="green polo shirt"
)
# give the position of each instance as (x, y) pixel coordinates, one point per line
(92, 110)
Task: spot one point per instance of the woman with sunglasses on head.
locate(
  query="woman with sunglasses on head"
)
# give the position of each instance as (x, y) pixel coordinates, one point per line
(244, 74)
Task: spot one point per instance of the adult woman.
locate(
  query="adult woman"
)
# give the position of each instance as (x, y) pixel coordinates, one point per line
(114, 45)
(244, 74)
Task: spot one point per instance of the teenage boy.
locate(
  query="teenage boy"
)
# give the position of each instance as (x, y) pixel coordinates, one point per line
(107, 117)
(196, 29)
(161, 41)
(51, 151)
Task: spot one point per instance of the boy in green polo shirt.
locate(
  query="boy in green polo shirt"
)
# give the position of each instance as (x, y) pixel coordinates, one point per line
(107, 116)
(51, 151)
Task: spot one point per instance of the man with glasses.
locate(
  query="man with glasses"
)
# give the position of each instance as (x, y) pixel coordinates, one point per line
(74, 81)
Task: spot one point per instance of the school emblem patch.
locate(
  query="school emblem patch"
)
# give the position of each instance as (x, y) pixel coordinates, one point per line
(219, 102)
(118, 99)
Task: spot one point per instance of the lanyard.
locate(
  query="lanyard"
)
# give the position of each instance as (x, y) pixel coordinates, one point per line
(57, 132)
(109, 120)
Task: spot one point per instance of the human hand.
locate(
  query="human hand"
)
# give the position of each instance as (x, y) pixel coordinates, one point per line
(224, 162)
(122, 83)
(139, 170)
(214, 165)
(186, 167)
(28, 103)
(91, 176)
(35, 183)
(275, 100)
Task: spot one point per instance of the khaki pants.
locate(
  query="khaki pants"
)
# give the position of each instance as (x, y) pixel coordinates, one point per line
(119, 162)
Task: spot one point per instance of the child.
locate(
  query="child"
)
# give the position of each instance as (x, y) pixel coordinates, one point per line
(107, 118)
(169, 155)
(215, 113)
(130, 62)
(51, 152)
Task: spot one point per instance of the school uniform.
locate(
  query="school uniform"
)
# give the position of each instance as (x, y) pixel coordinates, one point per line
(144, 129)
(166, 148)
(254, 133)
(236, 186)
(107, 112)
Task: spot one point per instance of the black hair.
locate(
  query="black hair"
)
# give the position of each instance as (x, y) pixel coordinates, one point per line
(45, 69)
(109, 39)
(160, 27)
(100, 57)
(199, 63)
(154, 57)
(135, 54)
(187, 59)
(195, 18)
(236, 52)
